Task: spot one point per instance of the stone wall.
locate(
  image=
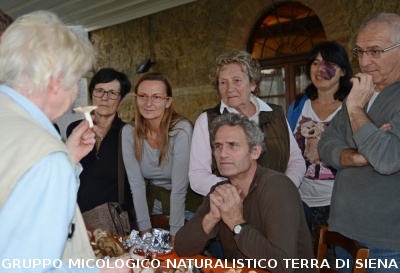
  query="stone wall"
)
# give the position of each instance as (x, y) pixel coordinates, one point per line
(184, 41)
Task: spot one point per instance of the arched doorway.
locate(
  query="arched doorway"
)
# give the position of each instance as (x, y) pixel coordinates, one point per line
(281, 41)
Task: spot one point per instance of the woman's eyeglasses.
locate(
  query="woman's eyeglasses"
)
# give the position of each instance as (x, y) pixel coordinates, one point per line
(111, 94)
(153, 98)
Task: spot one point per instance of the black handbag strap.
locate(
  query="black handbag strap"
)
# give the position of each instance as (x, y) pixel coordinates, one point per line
(116, 211)
(121, 171)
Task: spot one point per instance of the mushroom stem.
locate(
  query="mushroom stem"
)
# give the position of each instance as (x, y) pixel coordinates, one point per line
(88, 117)
(86, 111)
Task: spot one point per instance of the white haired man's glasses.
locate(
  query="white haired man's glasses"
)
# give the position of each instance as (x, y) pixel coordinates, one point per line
(372, 53)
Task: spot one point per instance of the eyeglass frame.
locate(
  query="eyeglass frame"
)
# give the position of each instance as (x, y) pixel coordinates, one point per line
(106, 92)
(146, 97)
(355, 51)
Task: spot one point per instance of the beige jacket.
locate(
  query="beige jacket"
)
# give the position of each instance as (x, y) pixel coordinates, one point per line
(21, 157)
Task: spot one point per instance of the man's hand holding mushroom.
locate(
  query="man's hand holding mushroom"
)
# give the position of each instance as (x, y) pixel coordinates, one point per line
(82, 140)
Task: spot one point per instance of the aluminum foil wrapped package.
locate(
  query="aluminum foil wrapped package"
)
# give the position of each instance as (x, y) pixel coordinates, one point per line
(150, 244)
(133, 237)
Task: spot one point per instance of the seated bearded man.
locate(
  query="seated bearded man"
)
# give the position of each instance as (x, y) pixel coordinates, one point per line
(257, 213)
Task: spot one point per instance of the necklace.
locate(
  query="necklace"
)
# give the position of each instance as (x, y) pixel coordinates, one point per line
(99, 139)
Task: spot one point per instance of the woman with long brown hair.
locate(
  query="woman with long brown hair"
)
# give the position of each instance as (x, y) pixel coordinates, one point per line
(156, 149)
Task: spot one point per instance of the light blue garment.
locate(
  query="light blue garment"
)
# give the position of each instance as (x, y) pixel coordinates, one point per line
(36, 216)
(294, 111)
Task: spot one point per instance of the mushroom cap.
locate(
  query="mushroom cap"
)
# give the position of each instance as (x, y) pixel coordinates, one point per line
(83, 109)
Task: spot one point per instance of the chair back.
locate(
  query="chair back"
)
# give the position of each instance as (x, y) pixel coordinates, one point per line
(160, 221)
(325, 237)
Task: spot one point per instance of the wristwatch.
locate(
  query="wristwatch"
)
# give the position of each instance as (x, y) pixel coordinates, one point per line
(238, 228)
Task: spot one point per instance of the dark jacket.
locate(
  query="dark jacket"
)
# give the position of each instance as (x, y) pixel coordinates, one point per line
(99, 178)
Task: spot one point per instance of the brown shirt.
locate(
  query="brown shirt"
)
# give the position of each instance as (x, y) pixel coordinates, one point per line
(276, 226)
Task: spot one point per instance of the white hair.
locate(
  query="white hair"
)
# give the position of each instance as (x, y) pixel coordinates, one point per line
(391, 19)
(38, 46)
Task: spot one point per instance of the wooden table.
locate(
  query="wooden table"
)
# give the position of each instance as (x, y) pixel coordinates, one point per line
(206, 263)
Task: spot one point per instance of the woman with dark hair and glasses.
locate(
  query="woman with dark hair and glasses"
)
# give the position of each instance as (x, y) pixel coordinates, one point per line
(329, 70)
(155, 148)
(99, 178)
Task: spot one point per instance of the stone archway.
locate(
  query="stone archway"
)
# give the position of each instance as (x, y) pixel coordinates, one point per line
(332, 15)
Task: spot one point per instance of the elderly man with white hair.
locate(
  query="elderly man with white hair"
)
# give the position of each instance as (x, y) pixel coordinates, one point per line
(41, 62)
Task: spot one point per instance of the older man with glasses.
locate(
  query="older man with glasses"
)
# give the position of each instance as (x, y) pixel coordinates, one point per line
(363, 144)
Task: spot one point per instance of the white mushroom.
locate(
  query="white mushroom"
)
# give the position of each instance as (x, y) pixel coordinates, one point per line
(86, 111)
